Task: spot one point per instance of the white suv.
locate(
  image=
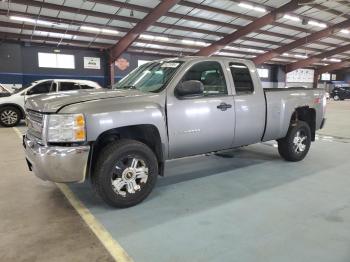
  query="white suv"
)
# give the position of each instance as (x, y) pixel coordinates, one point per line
(12, 106)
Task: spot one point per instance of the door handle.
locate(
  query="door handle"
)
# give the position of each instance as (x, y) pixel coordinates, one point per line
(223, 106)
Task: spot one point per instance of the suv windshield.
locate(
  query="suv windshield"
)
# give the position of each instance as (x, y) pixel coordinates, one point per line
(150, 77)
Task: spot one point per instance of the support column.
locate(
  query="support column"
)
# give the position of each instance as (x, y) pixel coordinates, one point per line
(112, 73)
(316, 76)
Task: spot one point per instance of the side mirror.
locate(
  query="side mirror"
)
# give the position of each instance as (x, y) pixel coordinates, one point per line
(189, 88)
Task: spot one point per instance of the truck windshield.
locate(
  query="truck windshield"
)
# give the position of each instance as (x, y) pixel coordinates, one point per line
(150, 77)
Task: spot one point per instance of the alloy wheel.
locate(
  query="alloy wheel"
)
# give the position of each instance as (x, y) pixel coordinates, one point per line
(9, 117)
(299, 142)
(129, 176)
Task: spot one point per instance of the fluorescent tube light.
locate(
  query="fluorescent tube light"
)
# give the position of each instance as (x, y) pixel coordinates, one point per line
(90, 28)
(187, 42)
(110, 31)
(22, 19)
(293, 18)
(345, 31)
(301, 56)
(251, 7)
(334, 60)
(314, 23)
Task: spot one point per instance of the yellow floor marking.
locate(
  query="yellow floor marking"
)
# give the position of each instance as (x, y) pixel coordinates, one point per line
(113, 247)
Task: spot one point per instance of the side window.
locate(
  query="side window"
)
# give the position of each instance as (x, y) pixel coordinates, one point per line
(86, 86)
(241, 78)
(211, 75)
(68, 86)
(41, 88)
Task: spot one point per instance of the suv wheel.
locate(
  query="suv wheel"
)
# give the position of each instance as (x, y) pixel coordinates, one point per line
(125, 173)
(295, 146)
(336, 97)
(9, 116)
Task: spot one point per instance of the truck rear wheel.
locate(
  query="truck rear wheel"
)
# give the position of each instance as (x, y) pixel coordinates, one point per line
(125, 173)
(295, 146)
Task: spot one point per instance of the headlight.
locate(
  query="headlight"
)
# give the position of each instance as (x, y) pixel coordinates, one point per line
(66, 128)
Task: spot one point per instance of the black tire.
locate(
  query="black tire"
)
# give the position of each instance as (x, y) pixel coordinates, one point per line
(9, 116)
(287, 147)
(336, 97)
(106, 171)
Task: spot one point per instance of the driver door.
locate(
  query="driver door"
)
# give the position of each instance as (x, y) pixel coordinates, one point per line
(202, 124)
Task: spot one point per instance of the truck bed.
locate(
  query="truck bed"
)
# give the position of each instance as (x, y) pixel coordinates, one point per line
(281, 103)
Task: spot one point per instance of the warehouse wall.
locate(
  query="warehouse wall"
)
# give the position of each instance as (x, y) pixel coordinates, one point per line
(19, 64)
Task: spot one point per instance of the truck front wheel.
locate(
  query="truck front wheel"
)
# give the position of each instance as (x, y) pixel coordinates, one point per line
(295, 146)
(125, 173)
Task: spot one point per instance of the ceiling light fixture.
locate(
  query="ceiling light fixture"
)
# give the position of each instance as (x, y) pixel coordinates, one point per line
(291, 17)
(187, 42)
(251, 7)
(300, 56)
(22, 19)
(110, 31)
(345, 31)
(314, 23)
(90, 28)
(334, 60)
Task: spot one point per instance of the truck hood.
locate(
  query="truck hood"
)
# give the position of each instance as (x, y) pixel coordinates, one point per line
(51, 103)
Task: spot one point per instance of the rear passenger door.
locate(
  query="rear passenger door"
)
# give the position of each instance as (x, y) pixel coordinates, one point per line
(249, 104)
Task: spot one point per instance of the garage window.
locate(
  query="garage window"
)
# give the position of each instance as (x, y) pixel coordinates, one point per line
(52, 60)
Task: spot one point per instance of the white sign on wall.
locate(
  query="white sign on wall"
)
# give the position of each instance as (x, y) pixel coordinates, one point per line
(92, 62)
(263, 72)
(301, 76)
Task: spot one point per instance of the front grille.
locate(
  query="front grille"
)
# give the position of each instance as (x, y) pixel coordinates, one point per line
(35, 123)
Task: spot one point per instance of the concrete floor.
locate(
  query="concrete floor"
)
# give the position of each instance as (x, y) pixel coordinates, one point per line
(247, 206)
(36, 221)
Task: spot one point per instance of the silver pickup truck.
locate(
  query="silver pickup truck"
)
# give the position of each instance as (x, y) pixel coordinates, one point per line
(166, 109)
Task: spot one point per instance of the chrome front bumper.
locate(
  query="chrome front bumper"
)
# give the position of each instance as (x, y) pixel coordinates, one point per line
(56, 163)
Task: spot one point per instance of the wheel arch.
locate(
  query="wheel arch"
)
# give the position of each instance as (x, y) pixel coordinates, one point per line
(145, 133)
(23, 114)
(307, 115)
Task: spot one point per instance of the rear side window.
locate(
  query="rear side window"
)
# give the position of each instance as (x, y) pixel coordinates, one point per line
(41, 88)
(68, 86)
(241, 78)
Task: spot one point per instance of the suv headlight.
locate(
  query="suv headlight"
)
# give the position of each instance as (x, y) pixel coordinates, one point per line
(66, 128)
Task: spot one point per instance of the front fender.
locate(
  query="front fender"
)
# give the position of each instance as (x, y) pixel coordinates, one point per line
(104, 115)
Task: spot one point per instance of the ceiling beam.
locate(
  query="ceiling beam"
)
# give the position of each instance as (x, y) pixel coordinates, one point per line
(204, 20)
(31, 38)
(122, 29)
(252, 18)
(301, 41)
(316, 58)
(332, 67)
(253, 26)
(141, 27)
